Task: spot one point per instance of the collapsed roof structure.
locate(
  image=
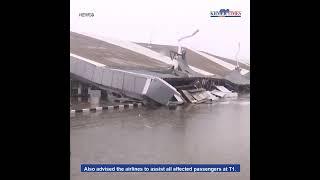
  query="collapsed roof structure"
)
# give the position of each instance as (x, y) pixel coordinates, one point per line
(156, 72)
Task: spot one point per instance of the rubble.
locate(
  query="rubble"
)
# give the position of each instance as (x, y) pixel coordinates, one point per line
(201, 95)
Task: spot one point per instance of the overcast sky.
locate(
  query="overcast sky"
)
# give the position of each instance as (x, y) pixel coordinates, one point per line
(165, 21)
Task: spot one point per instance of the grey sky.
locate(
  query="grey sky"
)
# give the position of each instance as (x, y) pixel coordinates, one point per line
(165, 21)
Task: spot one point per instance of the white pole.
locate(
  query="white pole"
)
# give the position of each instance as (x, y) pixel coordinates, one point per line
(238, 54)
(179, 45)
(150, 39)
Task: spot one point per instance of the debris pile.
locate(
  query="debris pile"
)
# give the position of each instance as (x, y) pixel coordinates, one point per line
(200, 95)
(236, 78)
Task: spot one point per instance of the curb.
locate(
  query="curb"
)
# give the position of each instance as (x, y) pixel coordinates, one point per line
(122, 106)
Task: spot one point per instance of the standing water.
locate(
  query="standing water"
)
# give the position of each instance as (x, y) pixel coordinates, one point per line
(217, 133)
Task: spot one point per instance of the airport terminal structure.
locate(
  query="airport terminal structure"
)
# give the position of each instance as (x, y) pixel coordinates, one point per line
(151, 73)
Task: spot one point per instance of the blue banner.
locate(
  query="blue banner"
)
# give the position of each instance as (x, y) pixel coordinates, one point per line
(160, 167)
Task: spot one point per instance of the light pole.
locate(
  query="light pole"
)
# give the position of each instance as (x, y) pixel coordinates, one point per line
(237, 59)
(175, 58)
(185, 37)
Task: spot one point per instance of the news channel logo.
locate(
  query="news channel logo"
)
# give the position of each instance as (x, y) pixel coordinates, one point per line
(86, 14)
(225, 13)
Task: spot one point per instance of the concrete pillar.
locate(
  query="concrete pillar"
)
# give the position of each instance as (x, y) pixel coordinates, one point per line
(70, 92)
(89, 99)
(79, 88)
(95, 96)
(79, 91)
(104, 95)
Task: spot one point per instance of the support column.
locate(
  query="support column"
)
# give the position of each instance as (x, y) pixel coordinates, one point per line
(95, 96)
(79, 88)
(104, 95)
(70, 91)
(79, 91)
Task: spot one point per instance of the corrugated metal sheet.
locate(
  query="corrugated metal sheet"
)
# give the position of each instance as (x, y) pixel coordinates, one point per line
(125, 81)
(223, 89)
(160, 92)
(107, 77)
(218, 93)
(189, 96)
(236, 78)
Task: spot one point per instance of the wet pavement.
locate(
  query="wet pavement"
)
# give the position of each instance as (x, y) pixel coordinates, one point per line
(217, 133)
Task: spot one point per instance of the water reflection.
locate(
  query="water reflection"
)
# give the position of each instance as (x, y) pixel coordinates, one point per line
(203, 133)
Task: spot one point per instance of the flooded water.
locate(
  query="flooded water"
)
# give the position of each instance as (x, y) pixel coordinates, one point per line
(216, 133)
